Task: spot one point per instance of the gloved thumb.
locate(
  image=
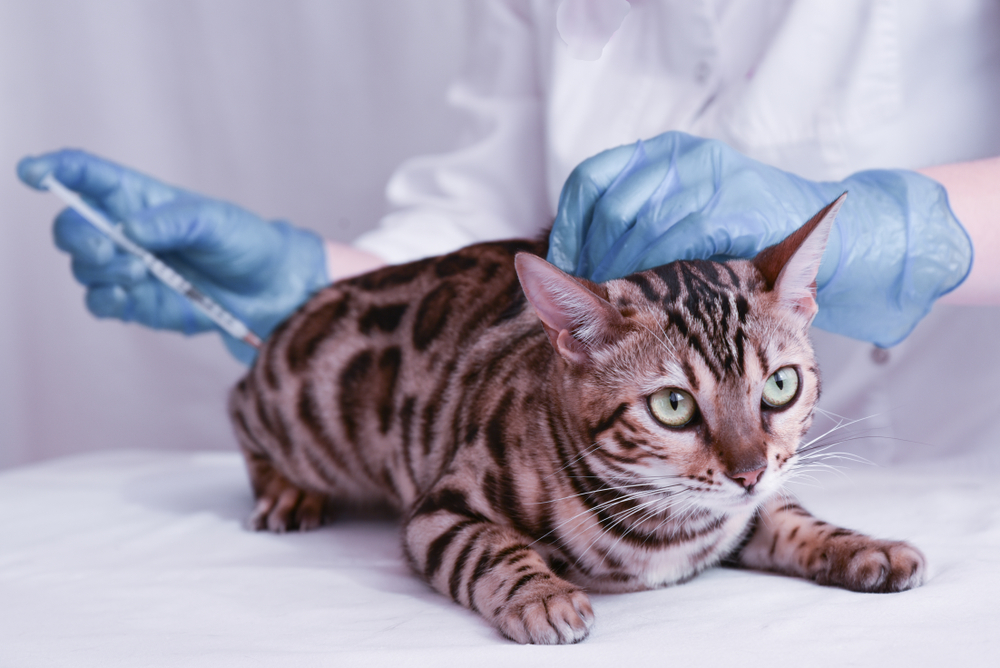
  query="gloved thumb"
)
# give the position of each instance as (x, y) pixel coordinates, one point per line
(80, 171)
(117, 190)
(32, 170)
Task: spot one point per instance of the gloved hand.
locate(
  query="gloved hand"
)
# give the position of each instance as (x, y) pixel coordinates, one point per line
(895, 248)
(257, 270)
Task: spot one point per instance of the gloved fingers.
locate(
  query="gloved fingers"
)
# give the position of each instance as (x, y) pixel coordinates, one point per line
(699, 234)
(583, 195)
(148, 303)
(642, 204)
(108, 301)
(622, 202)
(604, 196)
(124, 270)
(118, 190)
(74, 235)
(687, 239)
(217, 239)
(600, 171)
(188, 224)
(711, 217)
(200, 225)
(744, 231)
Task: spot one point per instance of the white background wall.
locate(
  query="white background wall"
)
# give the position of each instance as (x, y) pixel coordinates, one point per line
(297, 109)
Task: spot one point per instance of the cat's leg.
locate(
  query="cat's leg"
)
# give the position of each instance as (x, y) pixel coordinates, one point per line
(280, 505)
(492, 569)
(787, 539)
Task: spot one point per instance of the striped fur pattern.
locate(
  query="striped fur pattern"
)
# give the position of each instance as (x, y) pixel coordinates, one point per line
(515, 434)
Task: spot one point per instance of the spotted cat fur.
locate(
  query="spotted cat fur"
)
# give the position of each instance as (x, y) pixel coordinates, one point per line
(503, 408)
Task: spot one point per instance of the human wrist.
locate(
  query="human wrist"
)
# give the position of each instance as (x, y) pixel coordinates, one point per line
(902, 248)
(304, 261)
(343, 261)
(974, 198)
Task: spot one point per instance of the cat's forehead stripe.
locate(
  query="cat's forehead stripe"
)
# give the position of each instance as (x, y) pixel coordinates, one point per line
(691, 376)
(703, 300)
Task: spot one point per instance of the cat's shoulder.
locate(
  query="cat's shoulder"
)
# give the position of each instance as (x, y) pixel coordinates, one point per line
(476, 263)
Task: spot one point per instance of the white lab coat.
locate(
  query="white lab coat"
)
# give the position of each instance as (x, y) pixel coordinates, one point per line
(101, 552)
(819, 88)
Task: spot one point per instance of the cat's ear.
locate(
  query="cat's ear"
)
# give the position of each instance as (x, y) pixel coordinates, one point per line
(576, 318)
(790, 266)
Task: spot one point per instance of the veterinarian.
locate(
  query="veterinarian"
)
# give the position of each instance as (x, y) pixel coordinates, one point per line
(800, 102)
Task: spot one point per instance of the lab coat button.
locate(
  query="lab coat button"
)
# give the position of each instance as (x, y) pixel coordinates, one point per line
(880, 356)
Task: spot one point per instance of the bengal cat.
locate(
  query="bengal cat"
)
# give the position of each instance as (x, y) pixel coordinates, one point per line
(544, 436)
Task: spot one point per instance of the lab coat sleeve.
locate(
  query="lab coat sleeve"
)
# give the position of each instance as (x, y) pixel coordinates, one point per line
(493, 186)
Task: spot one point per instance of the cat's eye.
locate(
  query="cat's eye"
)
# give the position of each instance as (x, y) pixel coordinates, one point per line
(781, 387)
(672, 407)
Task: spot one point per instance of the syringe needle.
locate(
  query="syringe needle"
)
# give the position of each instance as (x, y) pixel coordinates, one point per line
(223, 318)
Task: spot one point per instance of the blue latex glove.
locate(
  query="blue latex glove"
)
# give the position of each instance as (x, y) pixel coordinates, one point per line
(895, 248)
(260, 271)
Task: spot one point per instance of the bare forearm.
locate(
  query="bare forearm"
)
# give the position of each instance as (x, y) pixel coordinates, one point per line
(343, 261)
(974, 193)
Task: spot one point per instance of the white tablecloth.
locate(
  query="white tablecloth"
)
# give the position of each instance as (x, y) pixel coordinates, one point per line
(141, 559)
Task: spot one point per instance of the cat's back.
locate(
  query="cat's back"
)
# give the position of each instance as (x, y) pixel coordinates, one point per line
(348, 395)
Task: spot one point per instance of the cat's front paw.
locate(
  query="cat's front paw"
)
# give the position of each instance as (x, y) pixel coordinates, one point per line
(546, 612)
(860, 563)
(284, 507)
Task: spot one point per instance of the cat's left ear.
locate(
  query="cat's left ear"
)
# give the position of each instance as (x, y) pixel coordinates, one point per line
(576, 318)
(790, 266)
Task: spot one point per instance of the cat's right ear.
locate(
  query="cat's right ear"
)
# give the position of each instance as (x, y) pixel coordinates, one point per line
(575, 317)
(790, 266)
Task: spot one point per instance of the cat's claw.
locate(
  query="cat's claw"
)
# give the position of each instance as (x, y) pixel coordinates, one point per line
(551, 613)
(287, 509)
(867, 565)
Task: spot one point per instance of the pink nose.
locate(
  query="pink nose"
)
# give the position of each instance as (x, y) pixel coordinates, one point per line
(748, 478)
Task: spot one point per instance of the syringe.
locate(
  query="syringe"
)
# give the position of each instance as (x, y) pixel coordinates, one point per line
(226, 320)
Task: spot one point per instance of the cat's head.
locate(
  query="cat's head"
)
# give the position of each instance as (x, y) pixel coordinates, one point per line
(696, 375)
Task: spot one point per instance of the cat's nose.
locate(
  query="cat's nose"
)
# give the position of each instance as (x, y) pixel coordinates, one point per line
(748, 478)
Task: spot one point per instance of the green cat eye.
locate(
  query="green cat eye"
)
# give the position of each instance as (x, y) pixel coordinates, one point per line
(672, 407)
(781, 387)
